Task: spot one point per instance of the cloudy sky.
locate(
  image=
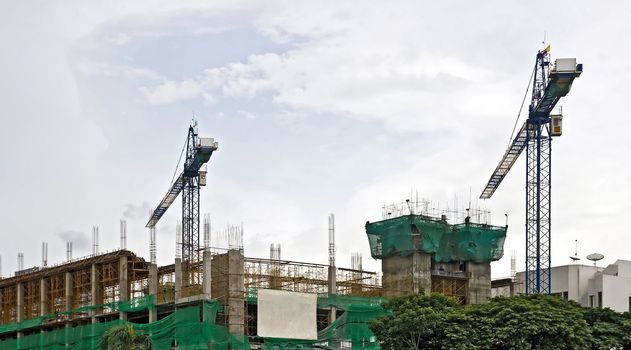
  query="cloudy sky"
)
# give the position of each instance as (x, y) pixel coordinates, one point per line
(318, 107)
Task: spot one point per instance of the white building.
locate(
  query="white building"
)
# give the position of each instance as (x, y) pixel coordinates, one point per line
(588, 285)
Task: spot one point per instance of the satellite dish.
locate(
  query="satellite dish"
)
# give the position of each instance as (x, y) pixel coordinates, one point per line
(595, 257)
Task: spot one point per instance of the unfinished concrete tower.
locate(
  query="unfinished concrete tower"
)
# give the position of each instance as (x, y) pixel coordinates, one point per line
(425, 254)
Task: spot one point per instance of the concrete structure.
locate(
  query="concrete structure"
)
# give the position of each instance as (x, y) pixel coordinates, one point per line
(568, 281)
(611, 287)
(411, 265)
(586, 284)
(468, 282)
(97, 281)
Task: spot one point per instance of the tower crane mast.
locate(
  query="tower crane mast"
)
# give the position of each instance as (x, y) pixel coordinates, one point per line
(549, 84)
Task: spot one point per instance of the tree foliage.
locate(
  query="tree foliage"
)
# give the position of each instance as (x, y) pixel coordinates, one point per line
(522, 322)
(123, 337)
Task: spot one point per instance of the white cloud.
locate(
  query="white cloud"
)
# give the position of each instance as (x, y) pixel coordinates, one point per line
(170, 92)
(454, 73)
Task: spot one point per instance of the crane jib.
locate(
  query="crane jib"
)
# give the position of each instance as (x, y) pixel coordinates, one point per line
(201, 154)
(558, 84)
(511, 155)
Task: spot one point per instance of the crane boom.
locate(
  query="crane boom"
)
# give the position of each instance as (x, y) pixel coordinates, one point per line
(557, 85)
(199, 150)
(511, 155)
(166, 202)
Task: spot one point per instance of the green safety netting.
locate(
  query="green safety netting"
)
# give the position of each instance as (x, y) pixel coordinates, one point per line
(405, 235)
(343, 302)
(325, 300)
(137, 304)
(183, 327)
(350, 330)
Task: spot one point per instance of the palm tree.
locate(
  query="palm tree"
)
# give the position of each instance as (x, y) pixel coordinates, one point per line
(123, 337)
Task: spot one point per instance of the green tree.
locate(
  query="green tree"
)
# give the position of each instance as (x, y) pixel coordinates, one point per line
(523, 323)
(123, 337)
(423, 322)
(530, 322)
(610, 329)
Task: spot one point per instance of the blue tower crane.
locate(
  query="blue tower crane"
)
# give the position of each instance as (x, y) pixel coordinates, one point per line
(549, 84)
(198, 152)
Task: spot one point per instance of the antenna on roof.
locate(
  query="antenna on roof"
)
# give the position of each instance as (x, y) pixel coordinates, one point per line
(575, 258)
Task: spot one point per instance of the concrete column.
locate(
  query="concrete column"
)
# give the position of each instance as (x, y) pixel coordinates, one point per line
(153, 290)
(407, 274)
(69, 291)
(123, 284)
(207, 285)
(96, 291)
(422, 273)
(236, 292)
(479, 282)
(1, 315)
(178, 279)
(332, 291)
(69, 296)
(43, 297)
(20, 303)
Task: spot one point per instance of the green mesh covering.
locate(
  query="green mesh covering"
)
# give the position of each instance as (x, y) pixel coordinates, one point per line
(183, 326)
(405, 235)
(344, 302)
(137, 304)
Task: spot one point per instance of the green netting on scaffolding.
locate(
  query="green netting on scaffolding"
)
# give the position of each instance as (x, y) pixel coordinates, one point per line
(137, 304)
(325, 300)
(405, 235)
(343, 302)
(183, 327)
(349, 331)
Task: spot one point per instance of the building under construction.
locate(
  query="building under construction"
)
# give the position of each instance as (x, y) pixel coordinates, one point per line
(69, 306)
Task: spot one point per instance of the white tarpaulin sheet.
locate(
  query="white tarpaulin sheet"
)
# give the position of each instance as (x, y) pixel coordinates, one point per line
(283, 314)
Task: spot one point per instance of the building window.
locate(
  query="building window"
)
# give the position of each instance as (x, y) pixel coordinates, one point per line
(600, 299)
(629, 304)
(565, 295)
(591, 301)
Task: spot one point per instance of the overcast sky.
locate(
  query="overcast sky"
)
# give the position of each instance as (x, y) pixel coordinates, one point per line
(318, 107)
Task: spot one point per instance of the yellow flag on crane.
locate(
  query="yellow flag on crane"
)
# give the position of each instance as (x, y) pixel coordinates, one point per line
(548, 49)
